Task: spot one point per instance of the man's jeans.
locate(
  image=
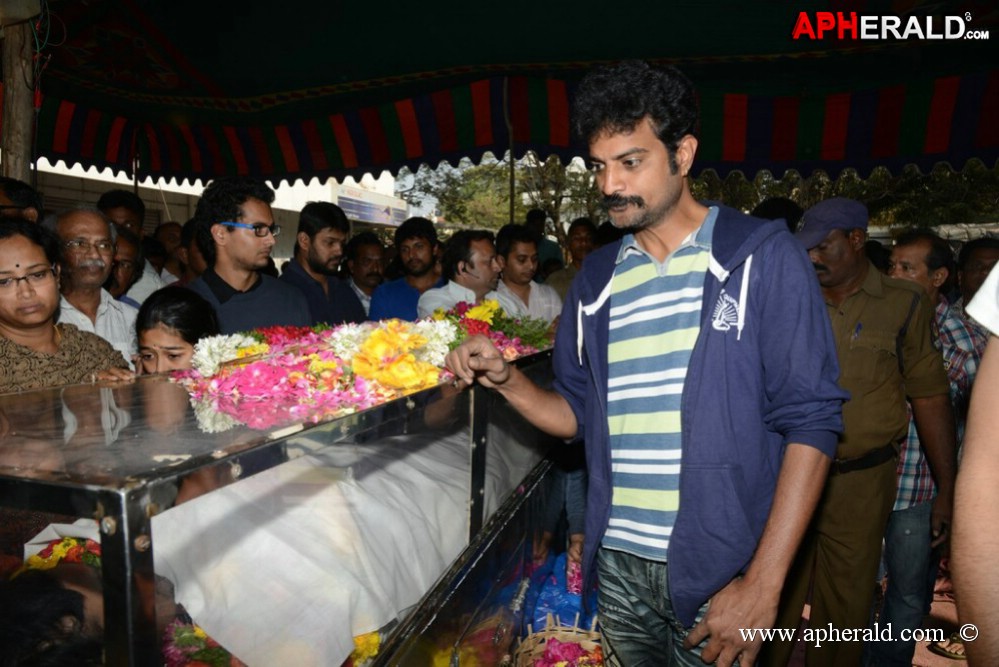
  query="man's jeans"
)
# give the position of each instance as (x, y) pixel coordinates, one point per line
(912, 571)
(636, 615)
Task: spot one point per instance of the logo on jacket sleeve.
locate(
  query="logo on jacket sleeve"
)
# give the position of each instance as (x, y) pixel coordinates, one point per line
(726, 313)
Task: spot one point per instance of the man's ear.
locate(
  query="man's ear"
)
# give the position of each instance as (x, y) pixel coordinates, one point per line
(858, 237)
(685, 152)
(303, 242)
(219, 234)
(501, 260)
(939, 277)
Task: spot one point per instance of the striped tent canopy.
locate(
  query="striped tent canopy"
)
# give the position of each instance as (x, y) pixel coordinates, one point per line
(299, 89)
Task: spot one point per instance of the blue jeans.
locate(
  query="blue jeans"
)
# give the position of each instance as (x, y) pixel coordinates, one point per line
(912, 570)
(637, 621)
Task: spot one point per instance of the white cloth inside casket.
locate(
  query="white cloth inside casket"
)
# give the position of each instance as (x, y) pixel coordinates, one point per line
(285, 567)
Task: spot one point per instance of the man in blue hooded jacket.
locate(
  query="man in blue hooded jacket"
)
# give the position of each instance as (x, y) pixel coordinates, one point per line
(696, 361)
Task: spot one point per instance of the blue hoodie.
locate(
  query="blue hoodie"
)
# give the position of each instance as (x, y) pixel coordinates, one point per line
(762, 374)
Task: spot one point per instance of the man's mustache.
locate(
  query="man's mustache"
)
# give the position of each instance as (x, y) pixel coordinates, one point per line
(92, 264)
(820, 267)
(614, 201)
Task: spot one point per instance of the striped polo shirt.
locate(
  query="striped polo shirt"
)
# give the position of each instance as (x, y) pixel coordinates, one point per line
(655, 311)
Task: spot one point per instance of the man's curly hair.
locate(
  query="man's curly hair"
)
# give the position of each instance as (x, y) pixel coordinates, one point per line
(616, 98)
(221, 202)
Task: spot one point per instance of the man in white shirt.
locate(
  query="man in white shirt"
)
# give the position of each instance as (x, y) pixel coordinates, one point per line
(125, 209)
(517, 249)
(471, 268)
(364, 253)
(88, 244)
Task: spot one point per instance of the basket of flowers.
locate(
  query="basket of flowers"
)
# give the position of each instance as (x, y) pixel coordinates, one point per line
(562, 645)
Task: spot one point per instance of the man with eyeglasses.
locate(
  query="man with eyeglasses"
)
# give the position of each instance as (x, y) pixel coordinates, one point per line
(235, 232)
(322, 236)
(88, 241)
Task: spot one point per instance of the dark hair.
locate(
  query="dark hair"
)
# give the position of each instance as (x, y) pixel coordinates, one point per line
(166, 224)
(180, 309)
(779, 208)
(940, 256)
(33, 610)
(877, 254)
(416, 228)
(459, 249)
(535, 215)
(153, 247)
(607, 233)
(122, 199)
(510, 235)
(22, 194)
(617, 98)
(37, 234)
(188, 232)
(981, 243)
(221, 202)
(319, 215)
(140, 256)
(360, 240)
(582, 222)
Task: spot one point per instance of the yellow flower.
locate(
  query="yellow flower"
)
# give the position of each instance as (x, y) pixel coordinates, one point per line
(199, 633)
(484, 311)
(439, 314)
(317, 365)
(252, 350)
(365, 647)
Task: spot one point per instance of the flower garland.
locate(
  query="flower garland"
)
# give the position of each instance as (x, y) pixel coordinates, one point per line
(513, 336)
(279, 375)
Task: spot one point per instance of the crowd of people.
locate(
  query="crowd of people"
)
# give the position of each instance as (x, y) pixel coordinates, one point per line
(772, 409)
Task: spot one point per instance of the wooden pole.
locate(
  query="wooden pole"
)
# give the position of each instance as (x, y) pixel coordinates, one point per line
(18, 109)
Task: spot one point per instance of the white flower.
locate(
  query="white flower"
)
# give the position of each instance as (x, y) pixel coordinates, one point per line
(210, 418)
(213, 351)
(346, 339)
(439, 334)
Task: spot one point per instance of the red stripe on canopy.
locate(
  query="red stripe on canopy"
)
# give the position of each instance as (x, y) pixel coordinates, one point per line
(373, 130)
(734, 131)
(311, 133)
(410, 128)
(287, 149)
(988, 126)
(886, 126)
(236, 148)
(343, 141)
(193, 150)
(64, 121)
(260, 149)
(558, 113)
(90, 133)
(482, 113)
(447, 129)
(834, 126)
(938, 125)
(114, 140)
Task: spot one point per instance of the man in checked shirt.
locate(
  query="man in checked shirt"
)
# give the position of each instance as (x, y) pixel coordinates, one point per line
(911, 554)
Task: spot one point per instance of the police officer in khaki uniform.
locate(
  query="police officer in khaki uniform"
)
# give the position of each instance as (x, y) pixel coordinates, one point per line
(882, 331)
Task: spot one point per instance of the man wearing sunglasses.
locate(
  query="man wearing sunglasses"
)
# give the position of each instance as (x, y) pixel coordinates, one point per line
(235, 233)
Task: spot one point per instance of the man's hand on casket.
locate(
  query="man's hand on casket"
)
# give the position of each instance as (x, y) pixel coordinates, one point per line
(477, 358)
